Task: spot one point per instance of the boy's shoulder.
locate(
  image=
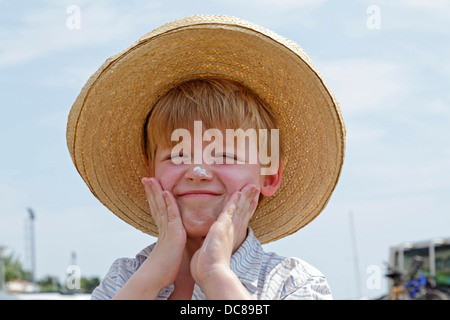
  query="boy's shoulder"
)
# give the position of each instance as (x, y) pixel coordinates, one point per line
(271, 262)
(127, 266)
(297, 270)
(253, 249)
(299, 280)
(119, 273)
(271, 276)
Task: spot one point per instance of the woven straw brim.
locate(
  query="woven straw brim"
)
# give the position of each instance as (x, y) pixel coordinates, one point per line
(105, 131)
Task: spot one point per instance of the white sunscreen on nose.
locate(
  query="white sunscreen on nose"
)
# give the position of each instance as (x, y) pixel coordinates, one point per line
(200, 172)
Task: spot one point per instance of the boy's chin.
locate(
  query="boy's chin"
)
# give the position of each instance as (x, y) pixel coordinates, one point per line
(198, 233)
(198, 227)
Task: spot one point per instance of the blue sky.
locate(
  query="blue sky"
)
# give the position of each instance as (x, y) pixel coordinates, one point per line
(392, 82)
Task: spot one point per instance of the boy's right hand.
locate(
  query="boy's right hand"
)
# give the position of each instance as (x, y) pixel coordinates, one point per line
(167, 255)
(161, 267)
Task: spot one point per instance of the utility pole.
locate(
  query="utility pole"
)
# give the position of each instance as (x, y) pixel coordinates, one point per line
(32, 217)
(355, 255)
(73, 260)
(2, 269)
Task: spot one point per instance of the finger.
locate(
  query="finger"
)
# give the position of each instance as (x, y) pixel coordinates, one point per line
(173, 214)
(230, 208)
(158, 197)
(244, 202)
(150, 198)
(254, 202)
(248, 202)
(156, 203)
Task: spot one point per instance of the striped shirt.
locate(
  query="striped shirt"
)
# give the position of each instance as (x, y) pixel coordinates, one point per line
(266, 276)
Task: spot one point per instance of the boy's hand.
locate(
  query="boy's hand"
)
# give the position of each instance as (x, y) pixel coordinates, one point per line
(167, 255)
(212, 260)
(161, 267)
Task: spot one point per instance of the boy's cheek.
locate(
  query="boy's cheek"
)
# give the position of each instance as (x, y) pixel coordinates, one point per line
(165, 178)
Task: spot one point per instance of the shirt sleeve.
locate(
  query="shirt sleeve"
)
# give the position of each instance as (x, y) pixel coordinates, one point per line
(314, 289)
(119, 273)
(299, 280)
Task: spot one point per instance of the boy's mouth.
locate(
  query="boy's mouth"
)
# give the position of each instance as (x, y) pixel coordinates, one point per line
(198, 194)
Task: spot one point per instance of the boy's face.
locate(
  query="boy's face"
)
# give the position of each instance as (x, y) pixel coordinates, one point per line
(202, 190)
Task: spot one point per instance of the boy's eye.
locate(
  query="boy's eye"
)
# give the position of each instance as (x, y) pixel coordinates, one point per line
(224, 155)
(175, 156)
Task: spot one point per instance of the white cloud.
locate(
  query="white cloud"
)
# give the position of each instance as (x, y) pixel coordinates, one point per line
(362, 133)
(427, 3)
(45, 31)
(291, 3)
(364, 85)
(278, 4)
(422, 16)
(415, 4)
(71, 77)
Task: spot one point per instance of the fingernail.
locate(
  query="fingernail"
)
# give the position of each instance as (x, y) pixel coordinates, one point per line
(255, 194)
(166, 198)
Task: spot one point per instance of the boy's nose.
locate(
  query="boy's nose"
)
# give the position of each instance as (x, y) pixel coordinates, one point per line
(197, 173)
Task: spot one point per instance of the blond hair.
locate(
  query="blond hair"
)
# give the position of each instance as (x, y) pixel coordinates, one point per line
(218, 103)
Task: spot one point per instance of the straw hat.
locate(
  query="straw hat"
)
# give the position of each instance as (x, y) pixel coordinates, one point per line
(105, 130)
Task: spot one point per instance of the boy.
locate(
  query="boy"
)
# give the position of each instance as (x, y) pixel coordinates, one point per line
(202, 200)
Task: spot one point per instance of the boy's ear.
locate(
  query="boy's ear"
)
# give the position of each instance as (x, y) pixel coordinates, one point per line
(271, 183)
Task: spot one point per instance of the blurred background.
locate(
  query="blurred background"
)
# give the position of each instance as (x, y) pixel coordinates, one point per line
(388, 63)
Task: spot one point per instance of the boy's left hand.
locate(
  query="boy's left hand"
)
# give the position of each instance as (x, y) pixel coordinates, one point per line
(225, 236)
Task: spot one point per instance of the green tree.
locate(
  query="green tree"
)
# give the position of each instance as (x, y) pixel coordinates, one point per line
(14, 269)
(89, 284)
(50, 284)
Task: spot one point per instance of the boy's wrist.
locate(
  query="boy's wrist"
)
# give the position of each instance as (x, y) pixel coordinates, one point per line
(212, 276)
(223, 284)
(139, 287)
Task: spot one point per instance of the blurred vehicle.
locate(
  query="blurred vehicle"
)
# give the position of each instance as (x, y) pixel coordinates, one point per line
(420, 271)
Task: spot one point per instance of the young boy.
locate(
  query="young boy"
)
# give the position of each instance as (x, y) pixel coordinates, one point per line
(210, 195)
